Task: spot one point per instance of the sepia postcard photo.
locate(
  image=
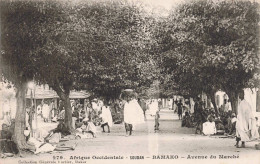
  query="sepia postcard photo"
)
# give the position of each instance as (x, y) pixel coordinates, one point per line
(129, 81)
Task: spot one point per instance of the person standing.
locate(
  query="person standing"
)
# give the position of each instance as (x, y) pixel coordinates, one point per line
(39, 110)
(95, 106)
(106, 117)
(133, 114)
(52, 110)
(156, 126)
(142, 103)
(153, 107)
(225, 107)
(75, 118)
(61, 106)
(45, 111)
(180, 106)
(244, 121)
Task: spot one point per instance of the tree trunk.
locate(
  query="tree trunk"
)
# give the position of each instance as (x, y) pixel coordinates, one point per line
(212, 98)
(68, 111)
(233, 97)
(258, 100)
(20, 116)
(64, 96)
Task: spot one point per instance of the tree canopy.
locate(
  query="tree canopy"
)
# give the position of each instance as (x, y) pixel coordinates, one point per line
(104, 47)
(121, 54)
(212, 46)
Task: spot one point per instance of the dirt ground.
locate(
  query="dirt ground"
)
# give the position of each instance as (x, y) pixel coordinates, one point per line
(172, 144)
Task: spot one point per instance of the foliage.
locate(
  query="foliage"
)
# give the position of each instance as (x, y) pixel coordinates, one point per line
(121, 48)
(212, 45)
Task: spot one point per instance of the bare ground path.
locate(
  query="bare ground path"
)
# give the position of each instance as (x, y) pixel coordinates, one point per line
(172, 140)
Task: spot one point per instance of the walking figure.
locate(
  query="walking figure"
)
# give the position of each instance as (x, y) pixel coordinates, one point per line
(133, 113)
(180, 106)
(157, 124)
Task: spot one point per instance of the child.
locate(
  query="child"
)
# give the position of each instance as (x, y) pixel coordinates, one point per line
(156, 126)
(106, 117)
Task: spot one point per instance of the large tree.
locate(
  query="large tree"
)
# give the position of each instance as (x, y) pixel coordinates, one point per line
(213, 46)
(19, 38)
(120, 47)
(102, 47)
(61, 52)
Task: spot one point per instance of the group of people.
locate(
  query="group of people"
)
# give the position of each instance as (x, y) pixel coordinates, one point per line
(95, 113)
(153, 106)
(85, 120)
(244, 126)
(47, 110)
(99, 113)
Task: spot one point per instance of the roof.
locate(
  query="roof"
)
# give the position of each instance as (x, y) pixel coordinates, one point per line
(45, 94)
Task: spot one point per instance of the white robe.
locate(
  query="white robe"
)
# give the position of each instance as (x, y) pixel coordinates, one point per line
(106, 115)
(254, 131)
(133, 113)
(244, 121)
(95, 106)
(209, 128)
(153, 108)
(45, 111)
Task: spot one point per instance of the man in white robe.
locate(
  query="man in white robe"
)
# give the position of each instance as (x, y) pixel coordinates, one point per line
(244, 122)
(95, 105)
(153, 107)
(133, 115)
(106, 118)
(45, 112)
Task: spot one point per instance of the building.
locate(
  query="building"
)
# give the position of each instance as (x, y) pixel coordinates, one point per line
(44, 92)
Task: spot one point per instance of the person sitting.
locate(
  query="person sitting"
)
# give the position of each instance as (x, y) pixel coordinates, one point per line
(209, 127)
(61, 128)
(186, 121)
(87, 127)
(82, 115)
(232, 126)
(225, 120)
(7, 143)
(219, 126)
(50, 144)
